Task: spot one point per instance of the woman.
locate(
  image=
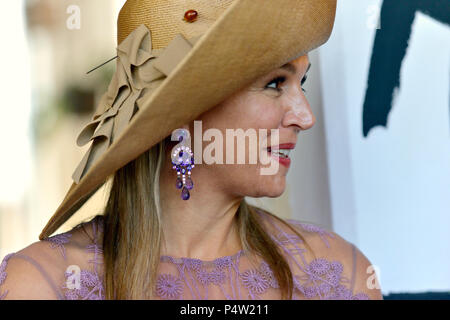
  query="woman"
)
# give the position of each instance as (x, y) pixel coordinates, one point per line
(150, 244)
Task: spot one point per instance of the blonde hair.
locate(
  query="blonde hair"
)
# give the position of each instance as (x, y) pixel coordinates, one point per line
(132, 231)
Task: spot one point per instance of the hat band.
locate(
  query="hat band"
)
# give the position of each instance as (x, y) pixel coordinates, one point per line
(139, 71)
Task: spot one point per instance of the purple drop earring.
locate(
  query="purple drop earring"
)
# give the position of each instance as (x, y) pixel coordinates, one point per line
(183, 162)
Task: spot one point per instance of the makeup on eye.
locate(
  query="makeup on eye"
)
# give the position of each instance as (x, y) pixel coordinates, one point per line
(280, 80)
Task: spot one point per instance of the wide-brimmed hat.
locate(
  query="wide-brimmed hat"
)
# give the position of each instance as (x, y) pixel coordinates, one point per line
(176, 60)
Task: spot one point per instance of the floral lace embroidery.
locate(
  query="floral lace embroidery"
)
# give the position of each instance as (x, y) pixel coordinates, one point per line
(313, 228)
(59, 241)
(193, 271)
(169, 286)
(254, 281)
(223, 262)
(87, 285)
(3, 273)
(321, 278)
(268, 275)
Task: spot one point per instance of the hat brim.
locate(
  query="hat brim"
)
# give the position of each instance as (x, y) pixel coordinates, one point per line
(249, 40)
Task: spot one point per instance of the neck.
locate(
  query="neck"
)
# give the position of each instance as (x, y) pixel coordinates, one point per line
(202, 227)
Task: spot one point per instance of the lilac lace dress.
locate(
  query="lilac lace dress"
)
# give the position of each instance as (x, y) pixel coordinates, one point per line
(69, 266)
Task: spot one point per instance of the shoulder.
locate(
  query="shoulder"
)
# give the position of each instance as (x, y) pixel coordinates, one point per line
(31, 273)
(357, 269)
(38, 270)
(291, 231)
(23, 274)
(320, 253)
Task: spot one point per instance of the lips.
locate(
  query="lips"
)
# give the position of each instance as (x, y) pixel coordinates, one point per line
(281, 152)
(285, 161)
(287, 146)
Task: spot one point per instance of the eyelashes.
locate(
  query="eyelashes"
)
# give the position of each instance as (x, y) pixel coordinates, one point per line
(280, 80)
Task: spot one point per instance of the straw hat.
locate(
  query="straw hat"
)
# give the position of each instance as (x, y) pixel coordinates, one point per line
(176, 60)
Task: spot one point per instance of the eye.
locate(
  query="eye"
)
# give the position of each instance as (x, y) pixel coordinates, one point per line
(303, 82)
(280, 80)
(277, 80)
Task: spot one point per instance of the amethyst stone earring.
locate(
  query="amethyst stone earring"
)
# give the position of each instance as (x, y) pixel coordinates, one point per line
(183, 162)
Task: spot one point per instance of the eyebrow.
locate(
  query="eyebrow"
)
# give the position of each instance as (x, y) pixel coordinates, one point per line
(291, 68)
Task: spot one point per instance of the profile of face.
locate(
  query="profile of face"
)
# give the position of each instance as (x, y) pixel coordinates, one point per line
(274, 101)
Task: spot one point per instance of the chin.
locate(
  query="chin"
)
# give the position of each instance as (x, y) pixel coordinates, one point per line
(275, 193)
(273, 188)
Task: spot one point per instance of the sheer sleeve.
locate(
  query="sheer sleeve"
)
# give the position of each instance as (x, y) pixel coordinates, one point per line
(323, 264)
(65, 266)
(24, 276)
(336, 269)
(364, 279)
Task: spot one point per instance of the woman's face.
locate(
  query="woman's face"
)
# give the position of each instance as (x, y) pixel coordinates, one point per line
(274, 101)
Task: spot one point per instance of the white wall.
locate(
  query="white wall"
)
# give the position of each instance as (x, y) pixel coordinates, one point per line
(15, 140)
(390, 190)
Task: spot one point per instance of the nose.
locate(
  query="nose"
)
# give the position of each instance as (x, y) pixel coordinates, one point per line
(298, 113)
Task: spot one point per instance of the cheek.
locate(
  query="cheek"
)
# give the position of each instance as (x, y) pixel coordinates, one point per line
(261, 112)
(245, 111)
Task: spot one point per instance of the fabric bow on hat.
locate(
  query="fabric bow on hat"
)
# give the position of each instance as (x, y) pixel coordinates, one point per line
(140, 69)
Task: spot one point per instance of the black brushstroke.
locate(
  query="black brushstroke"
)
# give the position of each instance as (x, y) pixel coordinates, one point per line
(389, 50)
